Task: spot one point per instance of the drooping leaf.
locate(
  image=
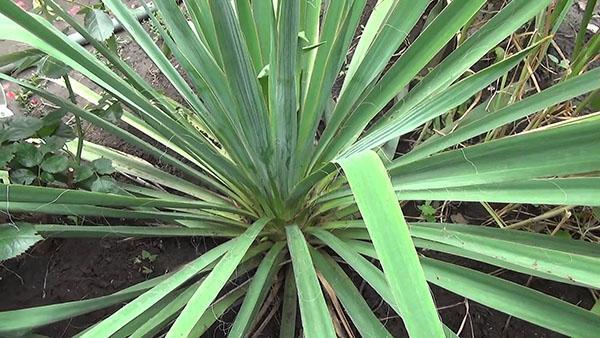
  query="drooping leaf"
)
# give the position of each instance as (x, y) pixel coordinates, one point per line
(52, 143)
(6, 155)
(113, 113)
(22, 176)
(514, 299)
(82, 173)
(18, 322)
(64, 131)
(105, 184)
(98, 24)
(55, 163)
(46, 176)
(52, 68)
(16, 239)
(389, 232)
(103, 166)
(54, 116)
(290, 306)
(166, 313)
(19, 128)
(28, 155)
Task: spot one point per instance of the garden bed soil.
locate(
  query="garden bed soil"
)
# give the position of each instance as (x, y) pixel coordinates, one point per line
(60, 270)
(56, 271)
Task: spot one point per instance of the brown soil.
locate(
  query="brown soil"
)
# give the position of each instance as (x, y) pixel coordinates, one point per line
(55, 271)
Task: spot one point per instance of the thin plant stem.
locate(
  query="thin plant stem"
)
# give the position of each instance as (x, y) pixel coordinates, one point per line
(78, 128)
(586, 102)
(587, 16)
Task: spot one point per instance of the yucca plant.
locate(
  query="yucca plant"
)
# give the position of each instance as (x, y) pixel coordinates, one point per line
(292, 179)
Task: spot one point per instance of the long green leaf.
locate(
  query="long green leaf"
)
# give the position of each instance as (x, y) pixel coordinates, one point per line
(420, 53)
(137, 167)
(403, 15)
(515, 158)
(39, 33)
(362, 316)
(567, 261)
(237, 66)
(133, 309)
(111, 128)
(158, 321)
(156, 55)
(558, 191)
(562, 91)
(339, 24)
(289, 306)
(156, 317)
(458, 251)
(203, 69)
(513, 299)
(24, 320)
(509, 19)
(257, 291)
(89, 210)
(566, 191)
(246, 17)
(310, 24)
(282, 91)
(134, 121)
(376, 20)
(217, 309)
(205, 26)
(316, 321)
(214, 282)
(379, 208)
(365, 269)
(48, 196)
(263, 14)
(98, 231)
(132, 326)
(438, 104)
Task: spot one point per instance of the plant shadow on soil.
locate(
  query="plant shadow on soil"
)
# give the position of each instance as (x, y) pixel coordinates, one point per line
(60, 270)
